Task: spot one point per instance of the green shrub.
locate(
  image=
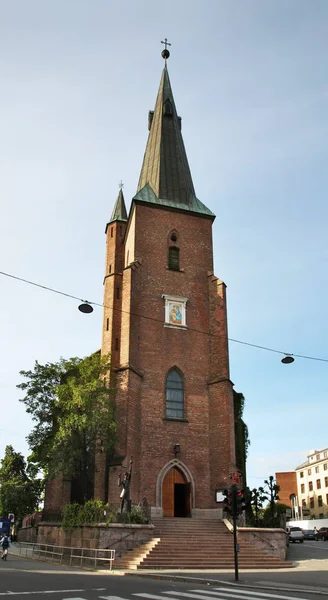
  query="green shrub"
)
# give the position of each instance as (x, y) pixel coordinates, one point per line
(95, 511)
(72, 516)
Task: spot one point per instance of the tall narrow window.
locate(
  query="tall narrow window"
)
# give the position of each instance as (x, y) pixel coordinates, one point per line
(118, 293)
(174, 395)
(107, 324)
(110, 269)
(174, 258)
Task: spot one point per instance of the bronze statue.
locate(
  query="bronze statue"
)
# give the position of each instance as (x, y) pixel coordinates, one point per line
(125, 492)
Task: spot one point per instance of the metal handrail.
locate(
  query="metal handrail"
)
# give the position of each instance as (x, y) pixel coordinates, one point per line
(51, 551)
(109, 555)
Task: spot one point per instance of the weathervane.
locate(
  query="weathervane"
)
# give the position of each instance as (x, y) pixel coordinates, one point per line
(121, 184)
(165, 52)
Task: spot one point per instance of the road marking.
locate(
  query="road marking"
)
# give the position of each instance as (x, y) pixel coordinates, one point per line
(263, 595)
(226, 595)
(232, 593)
(153, 596)
(40, 592)
(106, 598)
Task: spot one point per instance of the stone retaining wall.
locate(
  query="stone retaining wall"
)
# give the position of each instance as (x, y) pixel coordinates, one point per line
(117, 536)
(273, 541)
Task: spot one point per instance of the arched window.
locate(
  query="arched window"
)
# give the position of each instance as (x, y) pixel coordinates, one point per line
(174, 395)
(174, 258)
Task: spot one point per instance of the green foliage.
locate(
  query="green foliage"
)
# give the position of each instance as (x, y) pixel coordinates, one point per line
(74, 414)
(95, 511)
(20, 489)
(273, 514)
(242, 441)
(72, 516)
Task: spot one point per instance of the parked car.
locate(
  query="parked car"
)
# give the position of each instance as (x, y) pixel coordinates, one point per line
(295, 534)
(310, 534)
(322, 534)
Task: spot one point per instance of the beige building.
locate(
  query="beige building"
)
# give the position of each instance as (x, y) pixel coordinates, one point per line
(312, 485)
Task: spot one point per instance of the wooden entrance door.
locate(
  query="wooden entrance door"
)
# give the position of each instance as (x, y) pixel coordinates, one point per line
(176, 494)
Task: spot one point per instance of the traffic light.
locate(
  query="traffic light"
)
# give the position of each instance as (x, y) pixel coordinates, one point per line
(228, 502)
(240, 501)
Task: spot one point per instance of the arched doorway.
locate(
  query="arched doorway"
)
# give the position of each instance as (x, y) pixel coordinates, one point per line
(176, 494)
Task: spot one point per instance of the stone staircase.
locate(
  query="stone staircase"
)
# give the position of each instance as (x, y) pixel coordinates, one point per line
(195, 544)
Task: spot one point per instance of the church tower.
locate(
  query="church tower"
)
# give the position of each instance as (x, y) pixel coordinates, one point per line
(165, 325)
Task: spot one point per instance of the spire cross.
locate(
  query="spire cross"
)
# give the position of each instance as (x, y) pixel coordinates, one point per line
(166, 43)
(121, 184)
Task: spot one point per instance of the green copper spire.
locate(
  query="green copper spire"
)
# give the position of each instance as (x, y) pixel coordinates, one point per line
(119, 212)
(165, 177)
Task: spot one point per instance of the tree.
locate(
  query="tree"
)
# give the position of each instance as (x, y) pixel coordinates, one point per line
(71, 404)
(271, 494)
(20, 493)
(257, 497)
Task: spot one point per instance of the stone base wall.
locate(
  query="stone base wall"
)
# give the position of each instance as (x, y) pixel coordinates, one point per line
(272, 541)
(117, 536)
(27, 534)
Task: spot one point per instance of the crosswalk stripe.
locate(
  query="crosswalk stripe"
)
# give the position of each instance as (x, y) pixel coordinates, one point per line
(112, 598)
(230, 593)
(262, 594)
(218, 595)
(153, 596)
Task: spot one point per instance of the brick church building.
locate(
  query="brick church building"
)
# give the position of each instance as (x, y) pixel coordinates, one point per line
(165, 326)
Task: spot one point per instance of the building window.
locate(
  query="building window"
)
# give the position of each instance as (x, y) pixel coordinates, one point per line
(325, 454)
(317, 469)
(301, 474)
(107, 324)
(110, 269)
(326, 481)
(318, 456)
(174, 258)
(326, 498)
(310, 486)
(302, 488)
(116, 344)
(309, 471)
(118, 293)
(311, 502)
(318, 484)
(174, 391)
(111, 231)
(303, 503)
(319, 500)
(325, 466)
(121, 230)
(175, 311)
(320, 515)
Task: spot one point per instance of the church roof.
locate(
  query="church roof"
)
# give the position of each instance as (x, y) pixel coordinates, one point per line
(165, 177)
(119, 211)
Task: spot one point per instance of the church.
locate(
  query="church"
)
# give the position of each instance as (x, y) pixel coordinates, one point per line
(165, 327)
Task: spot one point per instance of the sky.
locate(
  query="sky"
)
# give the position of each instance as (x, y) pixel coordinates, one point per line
(249, 79)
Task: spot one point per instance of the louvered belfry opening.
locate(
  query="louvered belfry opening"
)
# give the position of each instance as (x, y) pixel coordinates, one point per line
(174, 258)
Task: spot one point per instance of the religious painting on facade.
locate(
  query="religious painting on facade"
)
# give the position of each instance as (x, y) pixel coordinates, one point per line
(175, 311)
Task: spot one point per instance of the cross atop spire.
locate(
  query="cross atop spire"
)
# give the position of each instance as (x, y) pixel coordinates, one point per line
(165, 52)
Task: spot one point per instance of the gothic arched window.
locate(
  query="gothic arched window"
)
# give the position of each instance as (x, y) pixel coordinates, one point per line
(174, 395)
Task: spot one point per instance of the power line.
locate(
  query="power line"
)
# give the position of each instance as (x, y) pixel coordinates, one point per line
(49, 289)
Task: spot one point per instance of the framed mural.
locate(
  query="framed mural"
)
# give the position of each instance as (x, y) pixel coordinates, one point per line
(175, 311)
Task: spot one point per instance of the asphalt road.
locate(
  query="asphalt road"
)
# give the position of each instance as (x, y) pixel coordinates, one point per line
(21, 578)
